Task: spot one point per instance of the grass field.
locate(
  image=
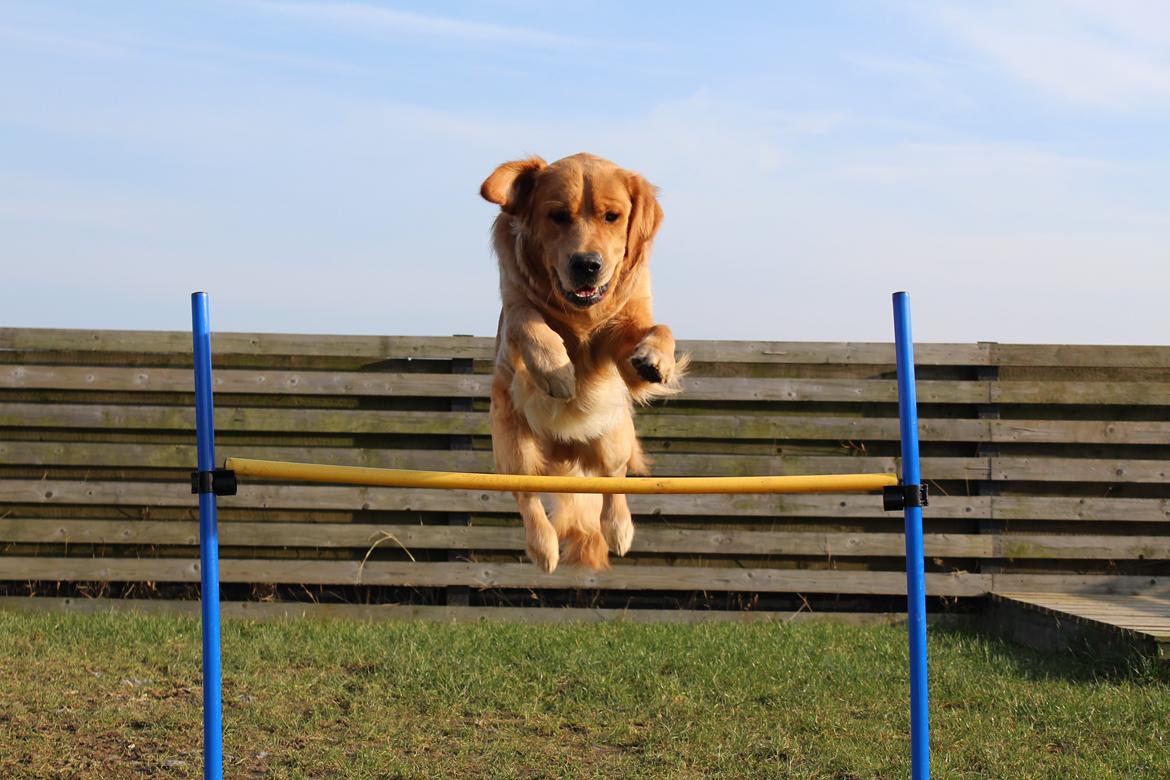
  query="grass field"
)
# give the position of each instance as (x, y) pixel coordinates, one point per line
(117, 696)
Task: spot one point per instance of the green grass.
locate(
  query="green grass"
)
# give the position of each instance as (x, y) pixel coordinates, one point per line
(116, 696)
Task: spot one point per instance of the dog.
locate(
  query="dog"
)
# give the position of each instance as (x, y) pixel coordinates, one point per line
(576, 344)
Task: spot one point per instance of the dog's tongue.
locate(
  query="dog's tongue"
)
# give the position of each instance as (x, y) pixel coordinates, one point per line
(585, 292)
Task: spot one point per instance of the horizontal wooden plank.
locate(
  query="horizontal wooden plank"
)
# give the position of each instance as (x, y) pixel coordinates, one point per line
(520, 575)
(484, 576)
(1059, 431)
(716, 425)
(648, 539)
(477, 348)
(111, 455)
(830, 390)
(359, 383)
(779, 389)
(839, 353)
(482, 348)
(1080, 470)
(1079, 355)
(324, 497)
(268, 610)
(224, 343)
(996, 468)
(1081, 393)
(1069, 508)
(239, 419)
(351, 383)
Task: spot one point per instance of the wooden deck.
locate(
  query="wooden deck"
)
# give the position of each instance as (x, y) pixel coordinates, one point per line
(1104, 625)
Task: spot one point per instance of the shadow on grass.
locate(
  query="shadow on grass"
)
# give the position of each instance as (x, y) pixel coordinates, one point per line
(1074, 665)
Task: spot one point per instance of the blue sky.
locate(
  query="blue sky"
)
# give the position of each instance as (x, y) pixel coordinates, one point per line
(315, 165)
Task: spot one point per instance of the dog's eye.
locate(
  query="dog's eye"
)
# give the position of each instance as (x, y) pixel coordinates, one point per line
(560, 217)
(612, 216)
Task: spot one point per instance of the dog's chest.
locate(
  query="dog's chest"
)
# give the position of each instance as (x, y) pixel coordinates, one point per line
(602, 403)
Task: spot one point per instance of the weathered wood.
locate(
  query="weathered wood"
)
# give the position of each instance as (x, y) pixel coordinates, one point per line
(662, 425)
(323, 497)
(1081, 393)
(482, 348)
(457, 385)
(1034, 469)
(170, 342)
(1082, 623)
(1038, 469)
(1079, 355)
(476, 385)
(105, 436)
(229, 418)
(483, 576)
(521, 575)
(100, 454)
(1071, 431)
(1138, 510)
(469, 347)
(838, 353)
(260, 610)
(1131, 510)
(240, 381)
(648, 539)
(179, 456)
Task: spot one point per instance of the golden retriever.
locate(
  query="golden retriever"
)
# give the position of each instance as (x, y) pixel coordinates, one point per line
(576, 345)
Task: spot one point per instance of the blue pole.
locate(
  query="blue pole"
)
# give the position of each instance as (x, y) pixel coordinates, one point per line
(915, 576)
(208, 543)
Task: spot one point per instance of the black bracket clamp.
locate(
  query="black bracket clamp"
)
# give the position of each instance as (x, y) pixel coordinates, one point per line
(895, 498)
(222, 482)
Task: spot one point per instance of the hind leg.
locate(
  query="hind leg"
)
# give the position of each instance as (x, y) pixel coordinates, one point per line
(516, 451)
(615, 455)
(576, 521)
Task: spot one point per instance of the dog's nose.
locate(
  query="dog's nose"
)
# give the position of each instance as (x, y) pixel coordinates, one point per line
(585, 264)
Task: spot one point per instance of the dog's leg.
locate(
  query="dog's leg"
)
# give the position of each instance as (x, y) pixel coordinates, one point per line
(646, 353)
(516, 451)
(653, 357)
(540, 538)
(616, 454)
(576, 521)
(542, 351)
(617, 526)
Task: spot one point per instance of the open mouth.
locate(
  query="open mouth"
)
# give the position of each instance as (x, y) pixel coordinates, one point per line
(585, 297)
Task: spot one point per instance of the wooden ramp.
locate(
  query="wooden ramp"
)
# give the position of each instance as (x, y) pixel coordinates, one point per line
(1102, 625)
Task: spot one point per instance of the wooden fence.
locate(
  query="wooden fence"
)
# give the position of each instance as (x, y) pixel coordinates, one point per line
(1049, 468)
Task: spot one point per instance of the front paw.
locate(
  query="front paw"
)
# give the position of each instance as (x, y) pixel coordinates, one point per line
(652, 364)
(559, 383)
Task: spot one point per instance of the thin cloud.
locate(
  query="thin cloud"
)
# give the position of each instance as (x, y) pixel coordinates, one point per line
(365, 18)
(59, 45)
(1093, 54)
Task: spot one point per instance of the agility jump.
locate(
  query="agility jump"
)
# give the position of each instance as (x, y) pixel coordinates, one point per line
(908, 495)
(447, 480)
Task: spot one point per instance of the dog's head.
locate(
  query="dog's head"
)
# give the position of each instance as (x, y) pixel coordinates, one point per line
(585, 223)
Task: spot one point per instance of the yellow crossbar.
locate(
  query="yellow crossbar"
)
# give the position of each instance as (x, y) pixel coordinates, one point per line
(449, 480)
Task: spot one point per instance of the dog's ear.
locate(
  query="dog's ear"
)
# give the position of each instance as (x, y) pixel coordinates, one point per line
(645, 217)
(511, 184)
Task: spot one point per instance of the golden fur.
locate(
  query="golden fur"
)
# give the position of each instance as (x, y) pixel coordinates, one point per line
(573, 358)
